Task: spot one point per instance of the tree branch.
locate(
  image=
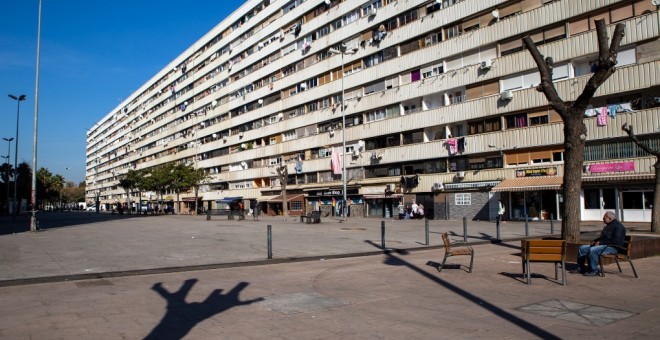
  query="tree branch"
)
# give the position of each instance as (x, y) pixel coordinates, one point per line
(607, 59)
(545, 69)
(629, 130)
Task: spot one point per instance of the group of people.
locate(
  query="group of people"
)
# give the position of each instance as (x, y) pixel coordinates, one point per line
(414, 211)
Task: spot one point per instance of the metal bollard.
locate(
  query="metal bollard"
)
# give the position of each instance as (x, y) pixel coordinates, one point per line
(426, 230)
(497, 227)
(269, 238)
(382, 235)
(464, 229)
(526, 225)
(552, 225)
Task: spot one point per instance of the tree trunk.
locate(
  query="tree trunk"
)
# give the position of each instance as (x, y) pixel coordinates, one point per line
(178, 203)
(575, 133)
(655, 208)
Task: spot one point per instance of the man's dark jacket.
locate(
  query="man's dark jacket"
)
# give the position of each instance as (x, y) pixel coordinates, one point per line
(614, 234)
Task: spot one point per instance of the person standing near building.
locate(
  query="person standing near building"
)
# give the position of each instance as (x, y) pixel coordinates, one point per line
(500, 211)
(402, 211)
(415, 209)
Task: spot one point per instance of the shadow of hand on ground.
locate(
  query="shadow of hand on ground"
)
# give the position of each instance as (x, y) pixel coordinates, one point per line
(182, 316)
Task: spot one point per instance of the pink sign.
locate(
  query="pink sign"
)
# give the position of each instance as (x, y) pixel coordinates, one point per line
(612, 167)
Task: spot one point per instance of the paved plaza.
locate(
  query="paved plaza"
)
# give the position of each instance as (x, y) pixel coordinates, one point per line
(87, 276)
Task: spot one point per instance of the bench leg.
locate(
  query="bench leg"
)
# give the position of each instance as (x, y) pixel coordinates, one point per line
(633, 267)
(443, 262)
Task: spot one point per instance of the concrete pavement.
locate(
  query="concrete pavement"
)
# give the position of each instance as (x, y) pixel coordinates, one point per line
(396, 295)
(82, 245)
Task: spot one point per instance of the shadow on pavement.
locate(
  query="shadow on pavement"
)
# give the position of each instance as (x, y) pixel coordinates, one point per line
(52, 220)
(529, 327)
(180, 316)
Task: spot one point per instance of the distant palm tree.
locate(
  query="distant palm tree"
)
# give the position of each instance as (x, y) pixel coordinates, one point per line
(24, 182)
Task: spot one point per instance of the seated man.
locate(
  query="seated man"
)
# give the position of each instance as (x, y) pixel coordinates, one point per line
(613, 233)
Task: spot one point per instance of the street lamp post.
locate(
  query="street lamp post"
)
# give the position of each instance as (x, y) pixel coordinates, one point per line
(33, 196)
(343, 51)
(18, 100)
(8, 157)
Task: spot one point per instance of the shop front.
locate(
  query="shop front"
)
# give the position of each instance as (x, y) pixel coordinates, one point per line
(473, 200)
(274, 206)
(380, 202)
(534, 197)
(607, 188)
(330, 202)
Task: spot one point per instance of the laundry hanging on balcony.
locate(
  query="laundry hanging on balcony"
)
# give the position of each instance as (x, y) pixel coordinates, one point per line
(410, 181)
(336, 162)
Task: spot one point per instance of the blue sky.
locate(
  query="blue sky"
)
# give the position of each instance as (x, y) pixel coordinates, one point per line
(94, 53)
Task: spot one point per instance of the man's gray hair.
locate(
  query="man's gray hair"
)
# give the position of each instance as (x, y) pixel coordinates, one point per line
(611, 215)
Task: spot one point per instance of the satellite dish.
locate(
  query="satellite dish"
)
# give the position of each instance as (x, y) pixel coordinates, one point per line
(496, 14)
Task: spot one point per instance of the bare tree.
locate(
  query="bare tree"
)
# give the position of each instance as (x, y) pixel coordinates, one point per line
(655, 212)
(572, 113)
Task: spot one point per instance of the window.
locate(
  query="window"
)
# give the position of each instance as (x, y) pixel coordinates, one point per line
(452, 32)
(463, 199)
(376, 115)
(408, 17)
(296, 206)
(538, 120)
(516, 121)
(274, 161)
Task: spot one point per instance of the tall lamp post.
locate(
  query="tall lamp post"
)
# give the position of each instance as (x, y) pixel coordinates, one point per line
(343, 50)
(18, 100)
(8, 157)
(33, 196)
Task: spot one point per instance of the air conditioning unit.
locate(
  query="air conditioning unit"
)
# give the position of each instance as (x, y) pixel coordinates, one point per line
(655, 2)
(438, 186)
(460, 174)
(224, 138)
(506, 95)
(486, 64)
(374, 12)
(389, 188)
(356, 153)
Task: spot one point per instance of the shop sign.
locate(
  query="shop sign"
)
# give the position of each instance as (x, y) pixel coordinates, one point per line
(333, 192)
(611, 167)
(549, 171)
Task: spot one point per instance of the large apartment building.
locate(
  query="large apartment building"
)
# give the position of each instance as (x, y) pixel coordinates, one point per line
(433, 100)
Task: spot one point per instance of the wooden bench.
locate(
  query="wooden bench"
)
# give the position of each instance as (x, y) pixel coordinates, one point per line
(623, 254)
(548, 251)
(312, 217)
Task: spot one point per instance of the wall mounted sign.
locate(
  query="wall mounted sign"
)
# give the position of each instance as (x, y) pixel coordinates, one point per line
(549, 171)
(611, 167)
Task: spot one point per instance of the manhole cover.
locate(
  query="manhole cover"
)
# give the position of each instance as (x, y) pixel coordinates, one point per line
(576, 312)
(301, 302)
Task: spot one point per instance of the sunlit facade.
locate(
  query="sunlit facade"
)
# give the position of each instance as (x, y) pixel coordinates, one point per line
(439, 104)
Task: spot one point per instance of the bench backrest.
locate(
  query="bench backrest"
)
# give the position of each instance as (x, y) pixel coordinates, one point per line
(446, 241)
(315, 214)
(627, 247)
(544, 250)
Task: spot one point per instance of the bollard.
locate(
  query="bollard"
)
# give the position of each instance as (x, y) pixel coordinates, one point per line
(497, 227)
(526, 225)
(464, 229)
(426, 230)
(382, 234)
(552, 225)
(269, 237)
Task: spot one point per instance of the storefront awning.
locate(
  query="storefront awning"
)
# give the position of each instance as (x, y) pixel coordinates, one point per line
(289, 198)
(530, 184)
(190, 199)
(618, 178)
(266, 198)
(230, 199)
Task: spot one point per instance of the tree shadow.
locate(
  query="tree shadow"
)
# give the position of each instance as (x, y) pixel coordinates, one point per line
(533, 329)
(182, 316)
